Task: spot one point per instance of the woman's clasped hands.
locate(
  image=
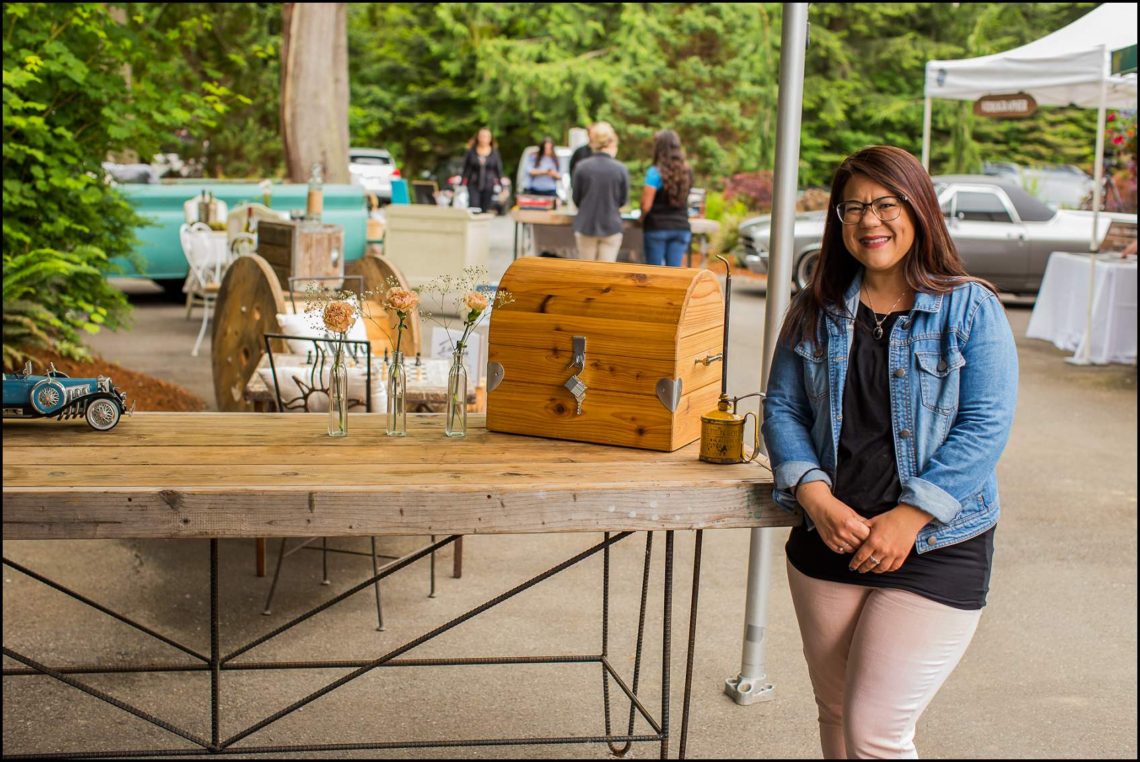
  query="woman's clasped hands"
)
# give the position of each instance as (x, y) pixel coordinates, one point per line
(879, 544)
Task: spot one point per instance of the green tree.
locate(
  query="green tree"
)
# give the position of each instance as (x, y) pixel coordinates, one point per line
(79, 80)
(235, 47)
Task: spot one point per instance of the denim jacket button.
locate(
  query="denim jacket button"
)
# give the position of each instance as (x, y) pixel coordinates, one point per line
(905, 433)
(931, 541)
(941, 365)
(900, 372)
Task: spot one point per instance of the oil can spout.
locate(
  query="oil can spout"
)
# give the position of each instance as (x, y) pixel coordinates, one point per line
(727, 301)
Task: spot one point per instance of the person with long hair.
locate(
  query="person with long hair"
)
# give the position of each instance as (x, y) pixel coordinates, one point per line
(482, 170)
(890, 399)
(665, 202)
(541, 170)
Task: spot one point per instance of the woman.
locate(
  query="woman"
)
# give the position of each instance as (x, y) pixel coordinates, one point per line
(665, 202)
(890, 399)
(542, 173)
(482, 170)
(600, 189)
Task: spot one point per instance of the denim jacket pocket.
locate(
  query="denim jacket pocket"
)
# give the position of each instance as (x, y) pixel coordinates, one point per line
(938, 379)
(815, 370)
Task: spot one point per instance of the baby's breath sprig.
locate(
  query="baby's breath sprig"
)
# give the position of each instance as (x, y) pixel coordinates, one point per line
(466, 296)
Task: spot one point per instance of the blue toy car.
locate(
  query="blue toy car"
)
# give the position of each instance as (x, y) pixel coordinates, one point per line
(95, 399)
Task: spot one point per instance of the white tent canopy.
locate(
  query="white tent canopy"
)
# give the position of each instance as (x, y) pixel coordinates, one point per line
(1064, 68)
(1071, 66)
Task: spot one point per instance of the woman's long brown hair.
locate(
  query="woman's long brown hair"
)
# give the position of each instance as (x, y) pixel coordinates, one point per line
(669, 157)
(932, 265)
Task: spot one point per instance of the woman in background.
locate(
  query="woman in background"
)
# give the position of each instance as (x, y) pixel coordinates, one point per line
(665, 202)
(542, 173)
(482, 170)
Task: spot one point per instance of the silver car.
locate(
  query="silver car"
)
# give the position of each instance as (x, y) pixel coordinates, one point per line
(1003, 234)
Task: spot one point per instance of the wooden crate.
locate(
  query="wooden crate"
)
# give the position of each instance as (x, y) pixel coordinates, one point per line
(645, 327)
(301, 249)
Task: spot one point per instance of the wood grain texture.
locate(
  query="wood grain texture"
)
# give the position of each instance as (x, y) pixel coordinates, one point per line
(277, 475)
(642, 324)
(614, 418)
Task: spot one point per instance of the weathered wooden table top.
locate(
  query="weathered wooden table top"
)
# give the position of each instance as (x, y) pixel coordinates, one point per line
(231, 475)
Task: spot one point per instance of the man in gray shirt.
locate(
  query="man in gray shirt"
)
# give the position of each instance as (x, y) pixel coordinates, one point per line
(601, 188)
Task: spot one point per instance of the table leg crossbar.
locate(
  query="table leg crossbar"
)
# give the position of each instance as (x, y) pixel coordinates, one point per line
(216, 664)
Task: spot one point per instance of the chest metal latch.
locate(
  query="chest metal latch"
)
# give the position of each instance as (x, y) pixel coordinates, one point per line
(576, 385)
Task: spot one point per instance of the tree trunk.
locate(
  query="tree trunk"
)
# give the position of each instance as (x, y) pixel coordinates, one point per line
(314, 90)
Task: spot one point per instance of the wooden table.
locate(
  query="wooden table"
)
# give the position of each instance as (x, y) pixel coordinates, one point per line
(248, 475)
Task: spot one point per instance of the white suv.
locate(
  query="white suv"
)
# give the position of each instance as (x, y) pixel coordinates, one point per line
(374, 169)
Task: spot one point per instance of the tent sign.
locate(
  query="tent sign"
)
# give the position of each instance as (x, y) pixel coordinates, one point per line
(1012, 105)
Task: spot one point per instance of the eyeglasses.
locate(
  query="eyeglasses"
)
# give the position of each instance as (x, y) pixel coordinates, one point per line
(886, 208)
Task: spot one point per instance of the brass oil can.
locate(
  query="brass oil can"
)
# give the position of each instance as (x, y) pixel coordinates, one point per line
(722, 432)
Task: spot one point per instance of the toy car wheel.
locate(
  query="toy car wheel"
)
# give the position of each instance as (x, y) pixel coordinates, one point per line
(102, 414)
(47, 396)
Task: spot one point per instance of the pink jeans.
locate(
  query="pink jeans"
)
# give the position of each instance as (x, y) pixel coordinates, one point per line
(876, 657)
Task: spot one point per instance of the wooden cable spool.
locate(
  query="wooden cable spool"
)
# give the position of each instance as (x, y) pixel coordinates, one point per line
(247, 307)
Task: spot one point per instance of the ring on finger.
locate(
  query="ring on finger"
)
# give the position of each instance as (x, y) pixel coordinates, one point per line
(874, 561)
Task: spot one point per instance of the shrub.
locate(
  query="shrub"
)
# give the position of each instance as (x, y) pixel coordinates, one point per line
(67, 103)
(754, 189)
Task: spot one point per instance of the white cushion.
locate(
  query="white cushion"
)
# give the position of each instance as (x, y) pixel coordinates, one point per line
(290, 372)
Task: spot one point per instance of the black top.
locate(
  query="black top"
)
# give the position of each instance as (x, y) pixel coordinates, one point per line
(663, 215)
(581, 152)
(867, 479)
(482, 175)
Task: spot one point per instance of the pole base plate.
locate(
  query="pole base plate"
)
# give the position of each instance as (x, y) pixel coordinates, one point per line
(745, 691)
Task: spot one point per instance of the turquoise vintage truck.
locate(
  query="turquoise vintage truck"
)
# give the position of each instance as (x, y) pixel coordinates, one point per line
(160, 245)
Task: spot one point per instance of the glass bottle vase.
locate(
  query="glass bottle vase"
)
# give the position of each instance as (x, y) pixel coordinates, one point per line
(338, 394)
(456, 422)
(397, 397)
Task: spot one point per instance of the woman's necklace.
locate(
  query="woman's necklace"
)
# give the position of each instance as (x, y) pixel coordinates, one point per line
(877, 332)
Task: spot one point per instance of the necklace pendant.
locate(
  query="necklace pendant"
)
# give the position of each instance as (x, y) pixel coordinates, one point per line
(877, 332)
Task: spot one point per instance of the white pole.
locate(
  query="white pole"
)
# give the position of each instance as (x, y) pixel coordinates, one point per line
(751, 685)
(926, 134)
(1084, 351)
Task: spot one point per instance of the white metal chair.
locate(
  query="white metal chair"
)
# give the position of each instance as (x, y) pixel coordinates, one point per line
(207, 257)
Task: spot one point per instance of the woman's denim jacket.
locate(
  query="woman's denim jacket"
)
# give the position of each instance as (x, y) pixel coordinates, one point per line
(953, 389)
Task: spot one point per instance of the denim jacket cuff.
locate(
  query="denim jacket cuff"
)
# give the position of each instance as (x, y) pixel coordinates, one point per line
(933, 499)
(792, 474)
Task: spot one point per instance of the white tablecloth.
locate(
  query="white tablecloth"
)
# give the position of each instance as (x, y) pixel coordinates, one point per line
(1062, 307)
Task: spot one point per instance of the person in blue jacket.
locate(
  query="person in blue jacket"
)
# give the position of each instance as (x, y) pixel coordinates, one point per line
(542, 171)
(889, 402)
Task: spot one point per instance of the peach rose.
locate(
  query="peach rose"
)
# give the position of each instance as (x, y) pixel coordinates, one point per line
(339, 317)
(401, 300)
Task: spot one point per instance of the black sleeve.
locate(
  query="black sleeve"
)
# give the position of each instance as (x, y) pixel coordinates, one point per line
(498, 166)
(468, 167)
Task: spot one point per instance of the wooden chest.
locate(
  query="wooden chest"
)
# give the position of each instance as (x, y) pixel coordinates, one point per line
(652, 337)
(301, 249)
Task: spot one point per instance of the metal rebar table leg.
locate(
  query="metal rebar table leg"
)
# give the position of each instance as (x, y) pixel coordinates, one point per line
(215, 652)
(376, 584)
(692, 641)
(666, 645)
